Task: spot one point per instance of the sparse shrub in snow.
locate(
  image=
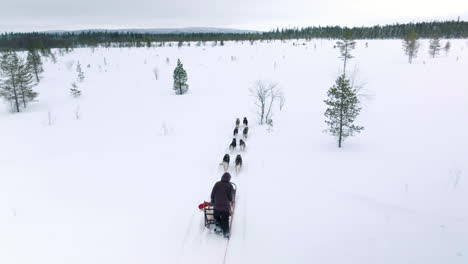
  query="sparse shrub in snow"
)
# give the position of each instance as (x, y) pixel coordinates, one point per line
(367, 45)
(265, 95)
(34, 62)
(198, 44)
(165, 130)
(16, 87)
(434, 46)
(342, 110)
(50, 118)
(53, 58)
(411, 45)
(180, 79)
(221, 43)
(156, 73)
(346, 45)
(168, 61)
(75, 91)
(180, 44)
(105, 61)
(88, 66)
(80, 72)
(447, 48)
(77, 112)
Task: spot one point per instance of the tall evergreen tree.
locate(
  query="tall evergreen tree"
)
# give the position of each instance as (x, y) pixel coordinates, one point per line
(180, 79)
(343, 109)
(35, 63)
(17, 86)
(346, 45)
(434, 46)
(25, 82)
(9, 89)
(411, 45)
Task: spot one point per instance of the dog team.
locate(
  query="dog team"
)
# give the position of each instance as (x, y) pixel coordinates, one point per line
(233, 145)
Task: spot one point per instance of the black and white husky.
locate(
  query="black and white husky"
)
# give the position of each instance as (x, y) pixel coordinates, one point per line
(237, 122)
(245, 121)
(242, 144)
(233, 145)
(238, 163)
(236, 131)
(225, 162)
(245, 132)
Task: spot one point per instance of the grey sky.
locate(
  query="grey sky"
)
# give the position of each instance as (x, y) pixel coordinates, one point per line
(29, 15)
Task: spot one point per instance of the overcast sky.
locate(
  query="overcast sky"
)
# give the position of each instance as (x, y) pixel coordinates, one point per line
(37, 15)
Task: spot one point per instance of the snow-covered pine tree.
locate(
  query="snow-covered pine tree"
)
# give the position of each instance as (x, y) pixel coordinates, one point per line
(75, 91)
(180, 79)
(434, 46)
(447, 48)
(9, 89)
(411, 45)
(35, 62)
(17, 85)
(25, 82)
(80, 72)
(343, 109)
(346, 45)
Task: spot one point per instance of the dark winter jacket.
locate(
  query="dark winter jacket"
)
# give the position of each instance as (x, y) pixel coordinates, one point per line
(221, 195)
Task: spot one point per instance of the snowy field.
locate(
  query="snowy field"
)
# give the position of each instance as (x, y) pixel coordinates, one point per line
(121, 184)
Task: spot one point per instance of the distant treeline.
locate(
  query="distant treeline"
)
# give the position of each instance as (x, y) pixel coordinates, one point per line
(36, 40)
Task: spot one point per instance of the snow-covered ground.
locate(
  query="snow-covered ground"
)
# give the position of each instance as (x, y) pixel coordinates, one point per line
(121, 184)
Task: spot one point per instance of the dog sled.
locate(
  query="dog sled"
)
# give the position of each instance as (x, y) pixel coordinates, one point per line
(208, 210)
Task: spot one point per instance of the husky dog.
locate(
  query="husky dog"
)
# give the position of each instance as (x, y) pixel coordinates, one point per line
(225, 162)
(237, 122)
(241, 145)
(236, 131)
(233, 145)
(245, 132)
(238, 163)
(245, 121)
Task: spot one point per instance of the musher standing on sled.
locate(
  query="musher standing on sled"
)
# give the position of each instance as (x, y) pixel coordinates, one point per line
(221, 198)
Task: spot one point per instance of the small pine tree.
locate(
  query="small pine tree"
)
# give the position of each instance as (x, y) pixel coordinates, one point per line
(411, 45)
(35, 62)
(346, 45)
(343, 109)
(434, 46)
(80, 72)
(180, 79)
(447, 48)
(75, 91)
